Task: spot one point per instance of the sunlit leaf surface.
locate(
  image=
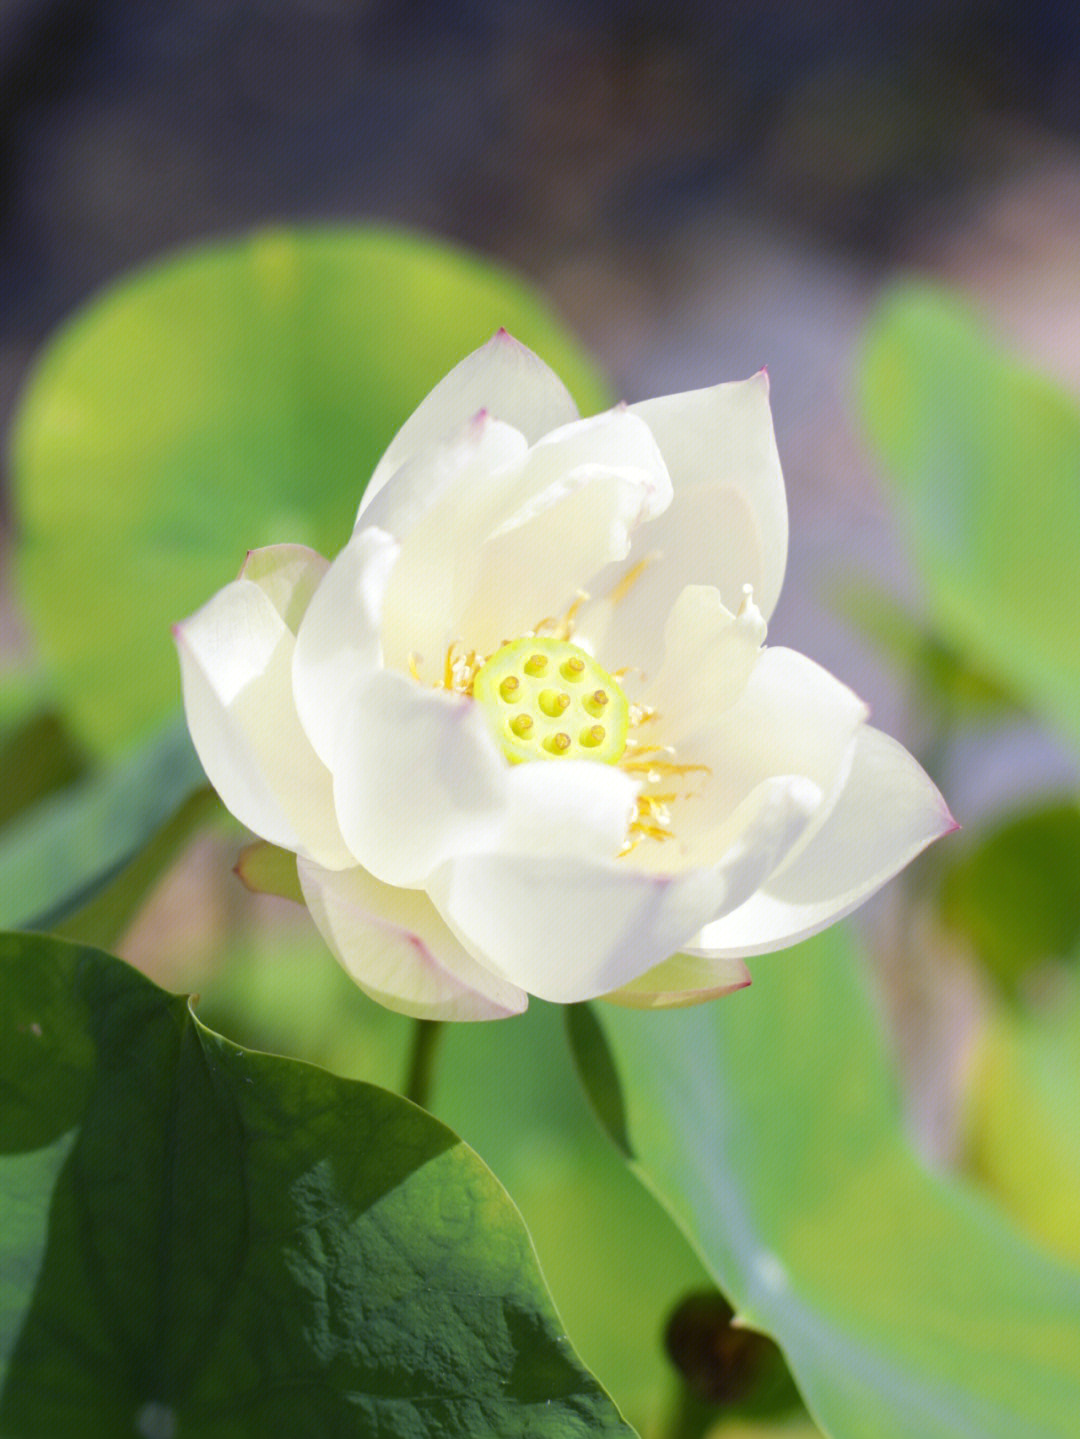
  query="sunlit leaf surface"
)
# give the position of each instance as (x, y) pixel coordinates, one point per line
(236, 396)
(986, 456)
(200, 1240)
(905, 1305)
(1023, 1131)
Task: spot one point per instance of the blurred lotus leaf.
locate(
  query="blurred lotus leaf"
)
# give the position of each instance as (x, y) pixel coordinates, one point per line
(237, 395)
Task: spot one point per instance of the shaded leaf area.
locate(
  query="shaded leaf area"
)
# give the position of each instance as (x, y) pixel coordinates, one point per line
(1015, 893)
(213, 1242)
(238, 395)
(986, 456)
(904, 1304)
(59, 855)
(37, 757)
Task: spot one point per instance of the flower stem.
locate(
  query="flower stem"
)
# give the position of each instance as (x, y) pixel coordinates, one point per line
(422, 1060)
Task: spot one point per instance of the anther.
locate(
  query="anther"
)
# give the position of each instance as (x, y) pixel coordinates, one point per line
(554, 702)
(573, 668)
(557, 743)
(509, 689)
(536, 665)
(592, 736)
(521, 725)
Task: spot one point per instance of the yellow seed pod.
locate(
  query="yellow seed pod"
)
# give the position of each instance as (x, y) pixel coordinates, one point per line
(532, 719)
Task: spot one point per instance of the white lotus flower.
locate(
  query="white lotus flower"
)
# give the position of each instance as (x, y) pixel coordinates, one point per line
(523, 734)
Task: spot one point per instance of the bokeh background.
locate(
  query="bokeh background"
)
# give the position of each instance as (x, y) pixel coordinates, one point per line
(699, 189)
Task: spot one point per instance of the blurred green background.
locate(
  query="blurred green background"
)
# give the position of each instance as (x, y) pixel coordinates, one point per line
(881, 204)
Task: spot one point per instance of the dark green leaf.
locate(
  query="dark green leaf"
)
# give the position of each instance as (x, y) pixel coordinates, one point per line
(56, 857)
(37, 757)
(238, 1245)
(903, 1303)
(237, 396)
(1016, 892)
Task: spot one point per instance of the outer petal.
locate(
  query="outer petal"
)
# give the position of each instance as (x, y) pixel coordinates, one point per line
(504, 378)
(236, 667)
(397, 949)
(338, 641)
(726, 526)
(888, 811)
(682, 980)
(566, 930)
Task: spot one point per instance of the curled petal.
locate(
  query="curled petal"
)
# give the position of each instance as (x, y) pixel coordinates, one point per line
(565, 929)
(504, 378)
(682, 980)
(887, 812)
(337, 644)
(236, 658)
(395, 946)
(709, 656)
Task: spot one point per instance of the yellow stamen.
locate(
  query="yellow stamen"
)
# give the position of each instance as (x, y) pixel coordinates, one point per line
(662, 767)
(630, 579)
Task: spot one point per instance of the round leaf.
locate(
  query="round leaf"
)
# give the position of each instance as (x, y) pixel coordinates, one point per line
(243, 1245)
(903, 1304)
(236, 396)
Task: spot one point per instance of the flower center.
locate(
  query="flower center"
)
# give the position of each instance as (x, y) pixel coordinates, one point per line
(547, 699)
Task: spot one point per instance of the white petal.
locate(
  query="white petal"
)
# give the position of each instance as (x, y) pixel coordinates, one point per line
(726, 526)
(417, 777)
(473, 482)
(566, 929)
(709, 656)
(504, 378)
(511, 538)
(580, 493)
(792, 718)
(397, 949)
(724, 436)
(288, 575)
(574, 808)
(682, 980)
(337, 644)
(236, 668)
(457, 474)
(889, 810)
